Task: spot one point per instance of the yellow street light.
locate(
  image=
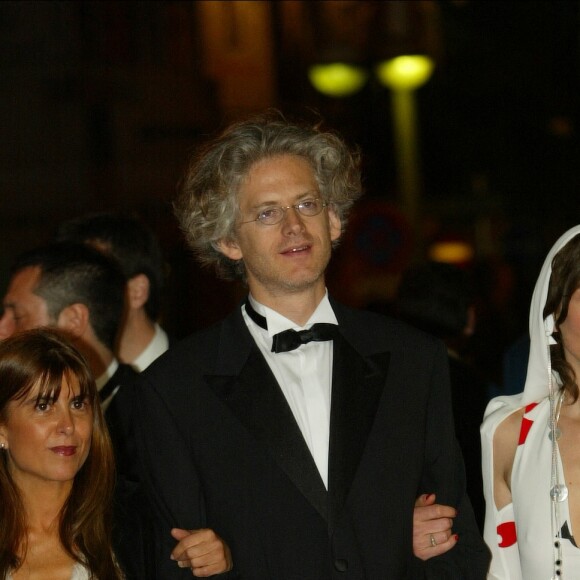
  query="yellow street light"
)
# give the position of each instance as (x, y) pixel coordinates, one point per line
(337, 79)
(403, 74)
(406, 72)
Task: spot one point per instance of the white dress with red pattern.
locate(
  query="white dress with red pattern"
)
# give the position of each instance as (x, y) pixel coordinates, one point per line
(525, 551)
(520, 535)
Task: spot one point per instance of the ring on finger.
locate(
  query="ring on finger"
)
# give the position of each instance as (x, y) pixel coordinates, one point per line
(432, 540)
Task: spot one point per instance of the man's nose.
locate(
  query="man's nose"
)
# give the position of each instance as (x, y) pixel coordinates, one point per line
(292, 219)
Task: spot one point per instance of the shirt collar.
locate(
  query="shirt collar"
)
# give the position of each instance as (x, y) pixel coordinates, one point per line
(158, 345)
(278, 323)
(104, 378)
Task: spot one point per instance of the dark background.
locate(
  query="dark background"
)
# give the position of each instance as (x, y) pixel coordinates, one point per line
(103, 102)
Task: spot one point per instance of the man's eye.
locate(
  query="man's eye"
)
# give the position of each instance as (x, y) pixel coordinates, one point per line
(309, 204)
(268, 213)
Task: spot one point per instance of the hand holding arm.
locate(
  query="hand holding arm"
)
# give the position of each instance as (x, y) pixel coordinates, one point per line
(201, 550)
(432, 527)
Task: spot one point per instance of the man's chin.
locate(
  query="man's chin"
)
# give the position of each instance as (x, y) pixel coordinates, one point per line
(299, 284)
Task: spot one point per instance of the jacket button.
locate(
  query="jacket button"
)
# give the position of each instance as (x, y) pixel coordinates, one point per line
(341, 565)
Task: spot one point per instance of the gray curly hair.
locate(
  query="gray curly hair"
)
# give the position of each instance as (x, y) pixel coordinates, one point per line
(207, 207)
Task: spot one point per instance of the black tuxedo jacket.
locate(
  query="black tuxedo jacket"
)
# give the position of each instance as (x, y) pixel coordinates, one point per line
(132, 530)
(219, 447)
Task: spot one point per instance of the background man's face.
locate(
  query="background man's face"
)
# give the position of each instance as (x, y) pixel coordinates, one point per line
(23, 310)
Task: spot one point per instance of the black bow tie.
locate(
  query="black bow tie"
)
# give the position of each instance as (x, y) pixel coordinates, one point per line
(292, 339)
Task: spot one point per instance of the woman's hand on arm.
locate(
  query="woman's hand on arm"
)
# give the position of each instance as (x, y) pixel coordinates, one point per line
(432, 527)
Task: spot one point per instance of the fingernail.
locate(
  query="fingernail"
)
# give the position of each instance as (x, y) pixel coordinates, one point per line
(427, 496)
(456, 537)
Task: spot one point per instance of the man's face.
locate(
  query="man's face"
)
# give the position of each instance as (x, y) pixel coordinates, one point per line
(23, 310)
(291, 256)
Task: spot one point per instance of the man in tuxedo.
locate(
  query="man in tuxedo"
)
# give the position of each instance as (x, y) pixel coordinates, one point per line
(291, 440)
(77, 289)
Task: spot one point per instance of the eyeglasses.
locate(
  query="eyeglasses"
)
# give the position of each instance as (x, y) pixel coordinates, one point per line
(274, 214)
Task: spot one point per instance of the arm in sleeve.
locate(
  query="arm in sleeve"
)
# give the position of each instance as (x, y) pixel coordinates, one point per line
(444, 475)
(167, 471)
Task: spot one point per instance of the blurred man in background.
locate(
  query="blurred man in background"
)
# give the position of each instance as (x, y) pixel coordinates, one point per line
(436, 298)
(129, 241)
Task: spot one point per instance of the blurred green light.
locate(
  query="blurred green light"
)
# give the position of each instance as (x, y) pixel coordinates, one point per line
(337, 79)
(405, 72)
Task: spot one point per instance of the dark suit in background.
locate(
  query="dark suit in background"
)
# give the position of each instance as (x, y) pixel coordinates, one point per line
(118, 416)
(132, 525)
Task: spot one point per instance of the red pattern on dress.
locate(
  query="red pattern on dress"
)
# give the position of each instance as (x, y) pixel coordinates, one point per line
(507, 531)
(526, 424)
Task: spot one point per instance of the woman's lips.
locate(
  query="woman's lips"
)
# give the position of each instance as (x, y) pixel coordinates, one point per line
(64, 450)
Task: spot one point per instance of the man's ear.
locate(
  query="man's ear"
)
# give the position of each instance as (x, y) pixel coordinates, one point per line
(471, 321)
(230, 249)
(335, 224)
(138, 291)
(74, 319)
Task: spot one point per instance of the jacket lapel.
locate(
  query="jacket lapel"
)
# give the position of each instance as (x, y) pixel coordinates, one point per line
(252, 394)
(247, 386)
(357, 386)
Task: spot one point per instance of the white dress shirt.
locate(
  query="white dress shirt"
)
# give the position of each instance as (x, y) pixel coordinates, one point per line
(104, 379)
(304, 375)
(158, 345)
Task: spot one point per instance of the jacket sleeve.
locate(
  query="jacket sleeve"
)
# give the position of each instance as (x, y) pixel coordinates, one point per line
(161, 452)
(167, 471)
(444, 474)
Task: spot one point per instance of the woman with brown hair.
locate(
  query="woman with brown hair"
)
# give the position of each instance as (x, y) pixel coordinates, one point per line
(56, 464)
(530, 441)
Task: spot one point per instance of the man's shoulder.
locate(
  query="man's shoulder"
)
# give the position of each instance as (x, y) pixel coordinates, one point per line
(200, 341)
(198, 350)
(124, 375)
(372, 327)
(125, 370)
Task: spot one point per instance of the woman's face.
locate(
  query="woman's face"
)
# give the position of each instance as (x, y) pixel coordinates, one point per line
(47, 441)
(570, 331)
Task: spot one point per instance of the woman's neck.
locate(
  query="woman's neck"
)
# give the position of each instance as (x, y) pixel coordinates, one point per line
(43, 504)
(570, 408)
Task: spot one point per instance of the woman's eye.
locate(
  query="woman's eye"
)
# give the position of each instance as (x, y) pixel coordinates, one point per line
(79, 404)
(42, 405)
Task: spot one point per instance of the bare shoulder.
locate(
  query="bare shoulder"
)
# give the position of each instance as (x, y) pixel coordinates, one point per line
(508, 431)
(505, 443)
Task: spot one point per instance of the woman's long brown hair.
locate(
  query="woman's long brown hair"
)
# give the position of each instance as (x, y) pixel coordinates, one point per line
(44, 357)
(564, 281)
